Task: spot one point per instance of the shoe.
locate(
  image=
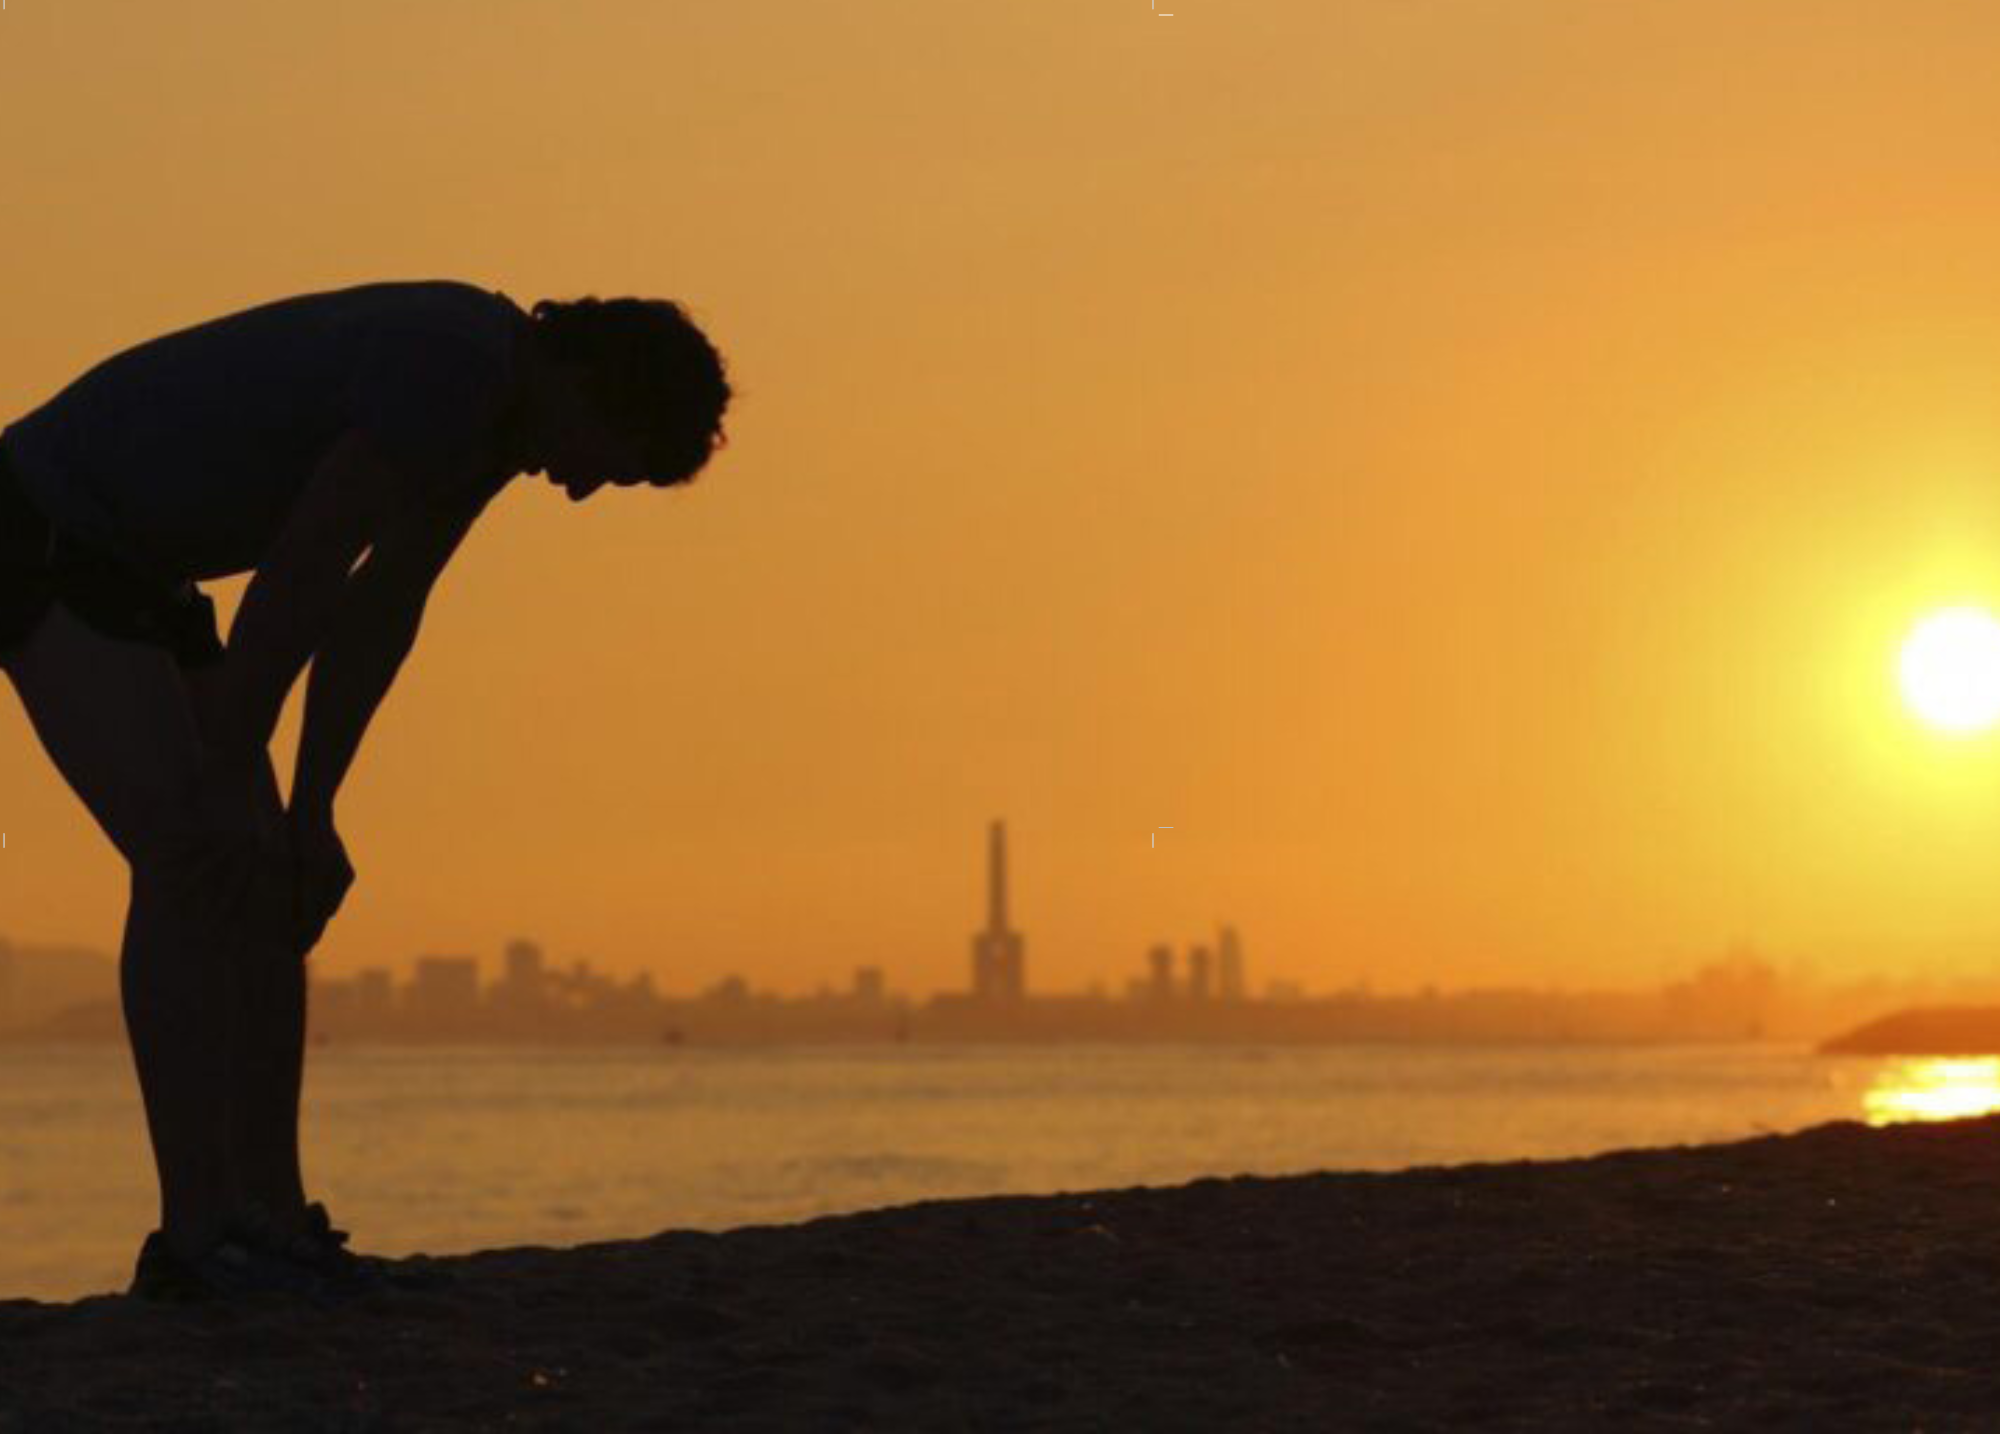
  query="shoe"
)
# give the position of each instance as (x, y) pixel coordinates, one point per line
(323, 1248)
(320, 1249)
(332, 1242)
(233, 1265)
(413, 1272)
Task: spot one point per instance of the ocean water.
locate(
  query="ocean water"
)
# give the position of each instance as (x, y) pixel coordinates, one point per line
(447, 1150)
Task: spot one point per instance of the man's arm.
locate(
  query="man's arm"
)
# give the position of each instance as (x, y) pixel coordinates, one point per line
(370, 633)
(291, 598)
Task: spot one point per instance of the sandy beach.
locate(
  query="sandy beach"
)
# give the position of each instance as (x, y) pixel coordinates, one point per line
(1840, 1277)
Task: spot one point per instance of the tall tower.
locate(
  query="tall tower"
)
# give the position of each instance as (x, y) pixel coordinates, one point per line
(1229, 955)
(524, 983)
(1200, 986)
(997, 971)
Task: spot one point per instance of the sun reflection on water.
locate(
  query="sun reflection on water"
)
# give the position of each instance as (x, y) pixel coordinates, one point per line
(1933, 1089)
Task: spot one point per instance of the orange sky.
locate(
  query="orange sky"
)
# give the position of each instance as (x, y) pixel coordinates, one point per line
(1465, 466)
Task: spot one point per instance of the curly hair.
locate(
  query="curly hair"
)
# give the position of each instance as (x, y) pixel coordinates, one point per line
(656, 375)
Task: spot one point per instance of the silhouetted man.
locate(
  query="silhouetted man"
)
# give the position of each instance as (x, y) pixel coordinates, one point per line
(293, 439)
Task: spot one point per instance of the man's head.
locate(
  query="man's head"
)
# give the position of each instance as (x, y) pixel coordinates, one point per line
(622, 391)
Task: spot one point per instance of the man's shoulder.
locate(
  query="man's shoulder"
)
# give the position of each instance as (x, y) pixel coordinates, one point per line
(435, 377)
(408, 291)
(446, 293)
(445, 309)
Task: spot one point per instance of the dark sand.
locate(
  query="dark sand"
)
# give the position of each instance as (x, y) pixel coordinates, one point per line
(1839, 1278)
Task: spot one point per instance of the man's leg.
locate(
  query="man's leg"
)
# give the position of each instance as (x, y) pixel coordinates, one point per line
(267, 1040)
(115, 718)
(269, 1044)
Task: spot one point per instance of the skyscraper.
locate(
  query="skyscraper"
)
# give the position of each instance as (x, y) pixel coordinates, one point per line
(1198, 987)
(1229, 957)
(445, 992)
(997, 970)
(520, 991)
(524, 967)
(374, 995)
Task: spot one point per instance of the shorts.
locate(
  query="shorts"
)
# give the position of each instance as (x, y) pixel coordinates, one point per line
(40, 565)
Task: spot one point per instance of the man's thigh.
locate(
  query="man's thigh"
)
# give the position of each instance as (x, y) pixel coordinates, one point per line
(118, 720)
(204, 686)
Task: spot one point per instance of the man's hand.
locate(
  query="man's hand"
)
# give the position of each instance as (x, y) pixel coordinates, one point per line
(321, 873)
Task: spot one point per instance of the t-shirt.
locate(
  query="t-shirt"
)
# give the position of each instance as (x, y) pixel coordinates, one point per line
(182, 456)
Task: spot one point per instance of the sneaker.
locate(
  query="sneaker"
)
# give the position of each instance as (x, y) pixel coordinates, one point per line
(414, 1272)
(333, 1243)
(233, 1265)
(320, 1249)
(323, 1248)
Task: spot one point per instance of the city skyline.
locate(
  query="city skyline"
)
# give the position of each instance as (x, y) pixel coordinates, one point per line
(1199, 990)
(1513, 616)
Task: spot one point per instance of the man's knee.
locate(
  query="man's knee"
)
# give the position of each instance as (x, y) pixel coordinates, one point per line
(198, 847)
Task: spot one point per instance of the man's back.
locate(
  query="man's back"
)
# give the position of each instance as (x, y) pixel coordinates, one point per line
(183, 454)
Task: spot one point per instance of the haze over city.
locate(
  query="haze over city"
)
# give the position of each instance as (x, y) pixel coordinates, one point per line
(1468, 480)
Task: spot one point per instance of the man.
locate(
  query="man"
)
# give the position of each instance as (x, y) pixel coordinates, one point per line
(340, 444)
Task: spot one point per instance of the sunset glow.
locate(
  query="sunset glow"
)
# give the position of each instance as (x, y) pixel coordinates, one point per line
(1119, 715)
(1934, 1089)
(1950, 670)
(1236, 420)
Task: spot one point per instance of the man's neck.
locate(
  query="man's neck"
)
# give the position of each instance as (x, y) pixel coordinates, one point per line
(515, 443)
(514, 448)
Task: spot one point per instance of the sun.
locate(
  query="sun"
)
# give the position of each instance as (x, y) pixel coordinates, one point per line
(1950, 669)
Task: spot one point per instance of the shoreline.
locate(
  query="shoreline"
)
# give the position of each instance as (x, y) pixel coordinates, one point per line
(1832, 1277)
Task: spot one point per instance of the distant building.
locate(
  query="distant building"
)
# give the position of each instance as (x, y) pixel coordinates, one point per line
(868, 984)
(42, 981)
(1161, 961)
(1200, 987)
(523, 987)
(446, 991)
(998, 971)
(329, 1003)
(574, 989)
(374, 995)
(523, 962)
(520, 999)
(1229, 958)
